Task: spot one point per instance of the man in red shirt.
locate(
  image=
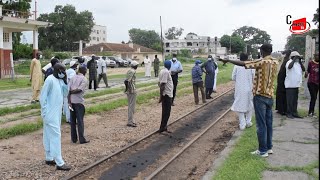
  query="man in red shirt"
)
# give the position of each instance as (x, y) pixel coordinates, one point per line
(313, 83)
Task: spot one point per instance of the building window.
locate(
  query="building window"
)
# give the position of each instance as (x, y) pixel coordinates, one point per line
(210, 50)
(167, 50)
(104, 32)
(189, 43)
(104, 39)
(97, 31)
(97, 38)
(94, 38)
(6, 37)
(167, 44)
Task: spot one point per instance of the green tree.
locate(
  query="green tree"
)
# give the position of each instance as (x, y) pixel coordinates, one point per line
(237, 43)
(316, 18)
(68, 27)
(174, 33)
(253, 37)
(298, 41)
(21, 9)
(147, 38)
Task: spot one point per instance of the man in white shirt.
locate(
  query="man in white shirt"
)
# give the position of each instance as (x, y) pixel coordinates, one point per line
(102, 71)
(175, 69)
(147, 66)
(166, 94)
(292, 82)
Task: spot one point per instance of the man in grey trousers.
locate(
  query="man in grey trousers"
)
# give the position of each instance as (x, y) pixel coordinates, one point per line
(131, 92)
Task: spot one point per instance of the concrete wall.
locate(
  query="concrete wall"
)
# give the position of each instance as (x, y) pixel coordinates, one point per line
(98, 35)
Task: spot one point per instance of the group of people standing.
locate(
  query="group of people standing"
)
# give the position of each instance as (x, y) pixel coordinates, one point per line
(254, 89)
(290, 80)
(62, 90)
(168, 81)
(210, 68)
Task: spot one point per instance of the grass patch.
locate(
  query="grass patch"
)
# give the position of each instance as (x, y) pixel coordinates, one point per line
(20, 129)
(24, 128)
(8, 84)
(241, 164)
(308, 169)
(7, 110)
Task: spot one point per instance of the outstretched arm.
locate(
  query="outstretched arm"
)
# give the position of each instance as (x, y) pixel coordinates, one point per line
(238, 63)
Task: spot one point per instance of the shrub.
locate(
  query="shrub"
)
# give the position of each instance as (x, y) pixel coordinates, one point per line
(62, 55)
(22, 51)
(47, 53)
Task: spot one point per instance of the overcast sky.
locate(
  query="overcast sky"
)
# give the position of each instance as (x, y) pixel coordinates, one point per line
(203, 17)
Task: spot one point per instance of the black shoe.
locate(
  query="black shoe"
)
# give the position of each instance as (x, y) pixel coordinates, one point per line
(297, 116)
(290, 116)
(64, 167)
(51, 163)
(172, 104)
(132, 125)
(84, 142)
(164, 130)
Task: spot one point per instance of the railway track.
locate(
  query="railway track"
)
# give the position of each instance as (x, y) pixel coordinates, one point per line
(129, 161)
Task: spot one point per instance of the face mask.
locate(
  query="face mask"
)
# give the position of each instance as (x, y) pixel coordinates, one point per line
(209, 59)
(40, 56)
(61, 75)
(174, 59)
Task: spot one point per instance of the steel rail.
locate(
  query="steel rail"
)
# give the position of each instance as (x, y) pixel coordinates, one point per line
(89, 167)
(163, 166)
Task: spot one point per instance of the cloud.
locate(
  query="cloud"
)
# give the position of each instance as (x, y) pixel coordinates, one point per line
(203, 17)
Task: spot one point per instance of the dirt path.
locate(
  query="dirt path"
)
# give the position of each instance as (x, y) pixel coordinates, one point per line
(22, 157)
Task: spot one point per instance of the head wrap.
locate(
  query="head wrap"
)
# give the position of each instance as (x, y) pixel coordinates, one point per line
(167, 64)
(198, 62)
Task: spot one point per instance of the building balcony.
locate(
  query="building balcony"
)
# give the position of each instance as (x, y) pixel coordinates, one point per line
(17, 14)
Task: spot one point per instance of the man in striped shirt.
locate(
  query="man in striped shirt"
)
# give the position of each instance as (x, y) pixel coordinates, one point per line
(266, 71)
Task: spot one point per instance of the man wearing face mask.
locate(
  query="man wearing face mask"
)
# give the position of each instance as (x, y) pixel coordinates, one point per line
(36, 77)
(50, 70)
(292, 82)
(209, 68)
(51, 100)
(92, 66)
(175, 69)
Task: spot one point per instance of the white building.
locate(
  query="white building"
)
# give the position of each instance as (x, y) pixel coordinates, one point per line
(98, 35)
(196, 44)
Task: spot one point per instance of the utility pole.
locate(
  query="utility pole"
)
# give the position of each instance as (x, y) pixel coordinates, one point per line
(161, 40)
(35, 10)
(208, 43)
(230, 45)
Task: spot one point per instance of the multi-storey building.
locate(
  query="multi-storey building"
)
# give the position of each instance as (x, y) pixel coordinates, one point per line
(98, 35)
(196, 44)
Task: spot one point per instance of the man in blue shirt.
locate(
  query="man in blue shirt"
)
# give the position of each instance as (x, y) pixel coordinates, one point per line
(198, 82)
(175, 69)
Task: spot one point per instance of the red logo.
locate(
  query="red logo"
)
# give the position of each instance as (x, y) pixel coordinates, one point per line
(298, 26)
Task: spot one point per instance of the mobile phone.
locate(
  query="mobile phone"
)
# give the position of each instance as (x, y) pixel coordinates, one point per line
(71, 109)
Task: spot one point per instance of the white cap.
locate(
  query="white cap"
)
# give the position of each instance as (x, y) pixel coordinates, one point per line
(294, 53)
(72, 63)
(134, 63)
(93, 55)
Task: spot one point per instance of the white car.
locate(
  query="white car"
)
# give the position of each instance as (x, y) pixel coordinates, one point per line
(109, 62)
